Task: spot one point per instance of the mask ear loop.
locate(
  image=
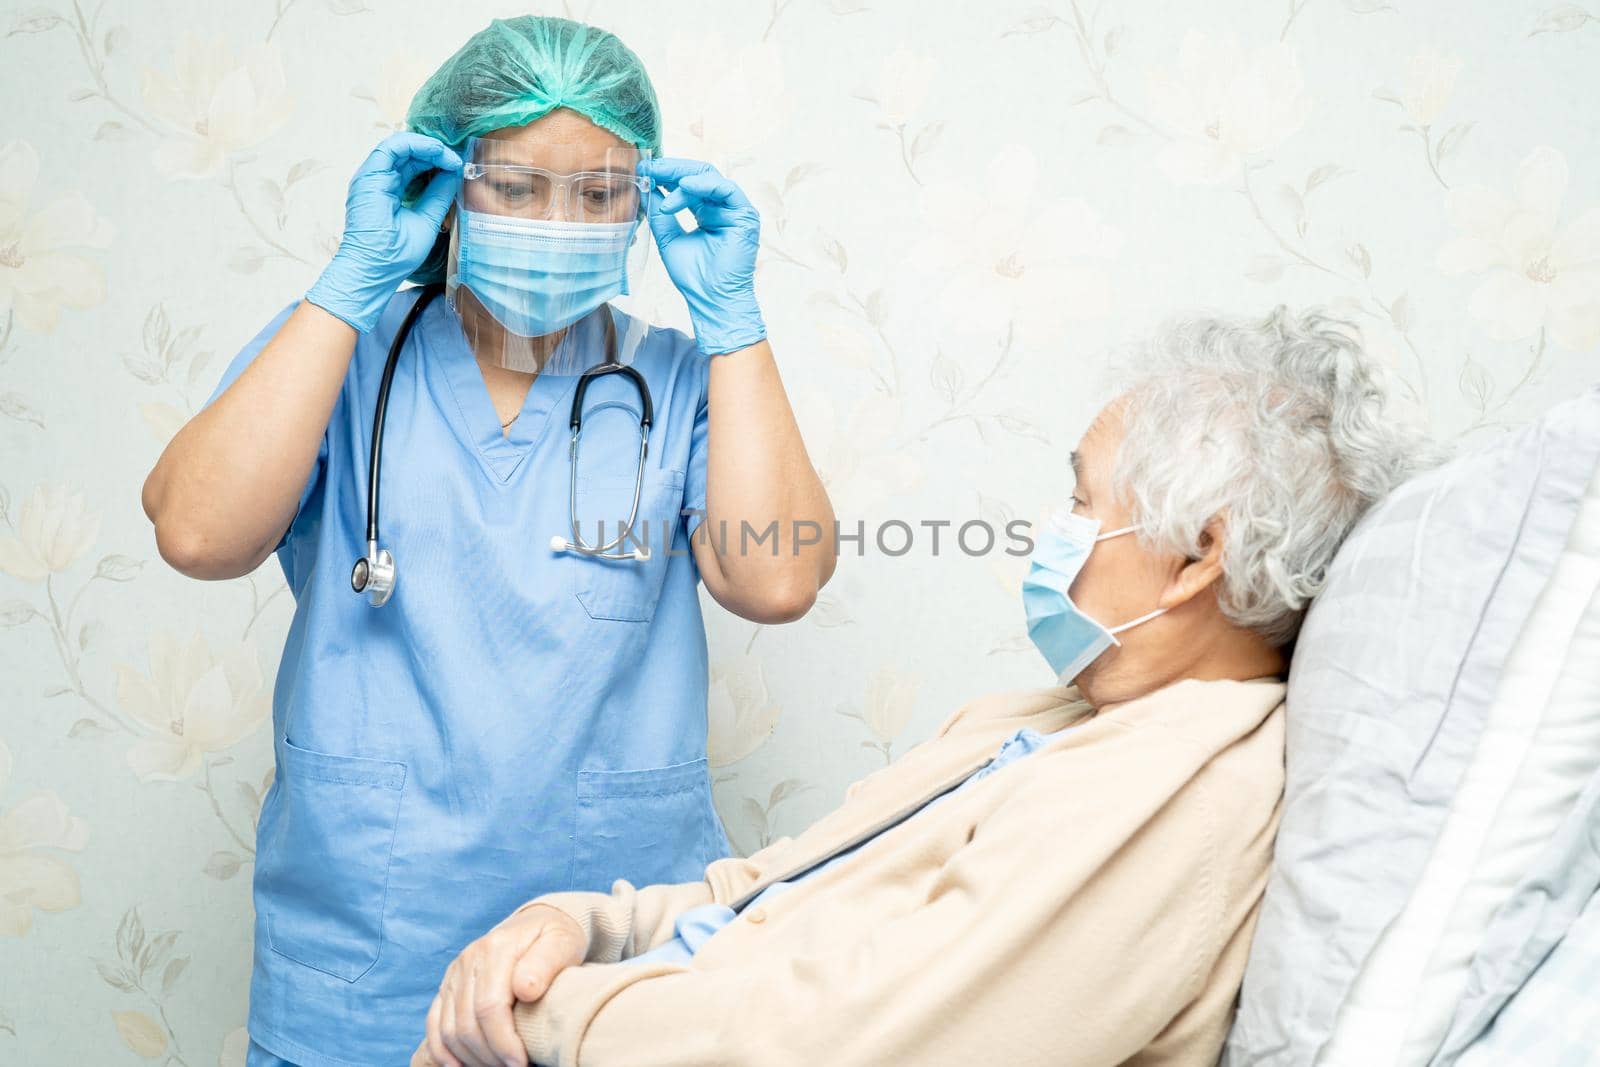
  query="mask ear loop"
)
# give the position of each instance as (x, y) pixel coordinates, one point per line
(1116, 533)
(1113, 631)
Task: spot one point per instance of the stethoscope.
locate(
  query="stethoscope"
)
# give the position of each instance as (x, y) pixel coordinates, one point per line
(374, 574)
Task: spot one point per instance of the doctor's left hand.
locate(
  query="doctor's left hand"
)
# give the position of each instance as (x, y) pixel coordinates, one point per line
(713, 265)
(469, 1024)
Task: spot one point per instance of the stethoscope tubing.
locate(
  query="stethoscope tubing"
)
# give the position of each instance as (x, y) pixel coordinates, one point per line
(374, 574)
(381, 408)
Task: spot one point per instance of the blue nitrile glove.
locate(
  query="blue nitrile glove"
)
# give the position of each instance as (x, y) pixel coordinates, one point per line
(383, 240)
(714, 266)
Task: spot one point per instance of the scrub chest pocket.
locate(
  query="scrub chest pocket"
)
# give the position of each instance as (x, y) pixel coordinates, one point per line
(651, 826)
(325, 875)
(625, 590)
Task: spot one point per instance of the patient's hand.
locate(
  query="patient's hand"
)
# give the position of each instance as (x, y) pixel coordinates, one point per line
(469, 1024)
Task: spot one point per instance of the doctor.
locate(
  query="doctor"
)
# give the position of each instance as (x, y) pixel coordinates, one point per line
(519, 717)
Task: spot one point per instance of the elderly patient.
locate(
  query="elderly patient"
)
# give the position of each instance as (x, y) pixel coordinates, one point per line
(1067, 876)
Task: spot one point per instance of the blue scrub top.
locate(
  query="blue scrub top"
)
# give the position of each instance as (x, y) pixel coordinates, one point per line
(514, 721)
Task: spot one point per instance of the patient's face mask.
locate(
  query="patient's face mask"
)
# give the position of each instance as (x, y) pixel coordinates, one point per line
(1069, 639)
(544, 234)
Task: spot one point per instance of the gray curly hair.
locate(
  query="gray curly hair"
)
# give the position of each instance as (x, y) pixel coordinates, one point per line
(1283, 427)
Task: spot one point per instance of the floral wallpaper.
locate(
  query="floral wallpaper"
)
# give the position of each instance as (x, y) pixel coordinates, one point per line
(968, 209)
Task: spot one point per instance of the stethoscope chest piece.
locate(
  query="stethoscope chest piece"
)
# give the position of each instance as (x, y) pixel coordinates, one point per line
(374, 574)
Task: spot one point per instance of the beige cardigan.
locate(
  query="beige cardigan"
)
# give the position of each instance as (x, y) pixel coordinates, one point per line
(1091, 904)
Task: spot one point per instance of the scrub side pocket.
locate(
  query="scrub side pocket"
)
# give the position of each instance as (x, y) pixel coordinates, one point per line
(323, 878)
(625, 590)
(651, 826)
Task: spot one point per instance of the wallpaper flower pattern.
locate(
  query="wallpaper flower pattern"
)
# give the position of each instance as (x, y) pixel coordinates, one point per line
(967, 210)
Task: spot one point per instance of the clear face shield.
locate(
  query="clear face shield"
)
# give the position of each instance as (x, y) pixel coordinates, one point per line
(545, 235)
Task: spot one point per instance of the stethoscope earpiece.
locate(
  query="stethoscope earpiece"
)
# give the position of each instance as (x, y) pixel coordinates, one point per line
(559, 544)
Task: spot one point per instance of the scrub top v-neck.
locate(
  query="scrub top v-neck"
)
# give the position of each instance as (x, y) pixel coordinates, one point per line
(514, 721)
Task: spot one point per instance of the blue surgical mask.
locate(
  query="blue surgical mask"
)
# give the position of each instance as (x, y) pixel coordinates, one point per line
(1069, 639)
(537, 275)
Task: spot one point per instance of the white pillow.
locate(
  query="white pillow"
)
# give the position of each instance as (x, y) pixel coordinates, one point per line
(1562, 878)
(1392, 685)
(1554, 1019)
(1534, 755)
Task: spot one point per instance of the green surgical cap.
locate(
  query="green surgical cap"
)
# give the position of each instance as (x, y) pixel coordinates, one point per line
(517, 70)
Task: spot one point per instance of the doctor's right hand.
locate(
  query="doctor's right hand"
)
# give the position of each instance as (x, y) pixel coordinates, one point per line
(384, 240)
(469, 1024)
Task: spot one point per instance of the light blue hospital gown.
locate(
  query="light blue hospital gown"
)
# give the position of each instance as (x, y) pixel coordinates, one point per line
(513, 722)
(695, 926)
